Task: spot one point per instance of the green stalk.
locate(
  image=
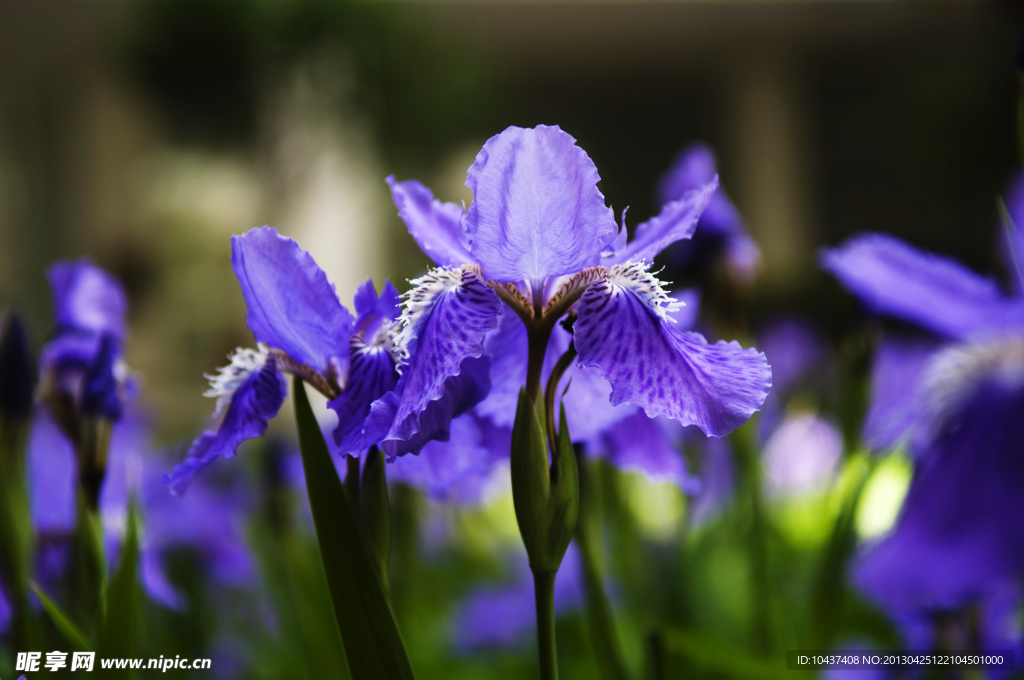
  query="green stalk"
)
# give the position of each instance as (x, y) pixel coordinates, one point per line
(544, 593)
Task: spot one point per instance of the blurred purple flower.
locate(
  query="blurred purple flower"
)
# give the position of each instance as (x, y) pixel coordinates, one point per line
(215, 532)
(960, 529)
(795, 351)
(802, 455)
(81, 366)
(720, 232)
(504, 616)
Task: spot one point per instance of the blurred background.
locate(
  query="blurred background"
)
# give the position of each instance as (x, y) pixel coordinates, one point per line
(143, 133)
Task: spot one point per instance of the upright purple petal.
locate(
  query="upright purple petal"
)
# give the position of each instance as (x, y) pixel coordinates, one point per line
(436, 226)
(896, 399)
(536, 209)
(253, 404)
(937, 293)
(622, 330)
(676, 221)
(648, 446)
(291, 304)
(86, 298)
(445, 321)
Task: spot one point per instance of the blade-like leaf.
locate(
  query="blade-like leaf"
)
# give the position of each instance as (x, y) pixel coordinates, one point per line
(62, 622)
(115, 639)
(373, 645)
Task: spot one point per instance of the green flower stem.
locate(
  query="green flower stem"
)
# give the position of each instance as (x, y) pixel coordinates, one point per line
(544, 592)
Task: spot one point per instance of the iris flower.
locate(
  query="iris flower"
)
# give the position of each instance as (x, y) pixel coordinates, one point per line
(956, 399)
(539, 241)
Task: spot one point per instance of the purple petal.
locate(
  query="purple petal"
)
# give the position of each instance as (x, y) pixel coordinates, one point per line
(957, 531)
(717, 479)
(291, 304)
(939, 294)
(371, 376)
(507, 346)
(536, 211)
(623, 332)
(648, 446)
(460, 470)
(447, 317)
(254, 403)
(694, 166)
(436, 226)
(794, 349)
(86, 298)
(677, 221)
(895, 391)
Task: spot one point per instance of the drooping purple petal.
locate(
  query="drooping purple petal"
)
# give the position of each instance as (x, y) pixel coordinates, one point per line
(460, 470)
(371, 376)
(676, 221)
(802, 455)
(507, 347)
(255, 402)
(445, 321)
(896, 401)
(939, 294)
(648, 446)
(436, 226)
(86, 298)
(623, 332)
(959, 528)
(536, 210)
(291, 304)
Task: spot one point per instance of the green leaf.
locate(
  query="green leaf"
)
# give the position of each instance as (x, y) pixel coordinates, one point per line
(373, 645)
(62, 622)
(116, 634)
(711, 654)
(375, 512)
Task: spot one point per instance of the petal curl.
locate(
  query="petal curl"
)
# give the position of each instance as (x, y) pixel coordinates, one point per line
(445, 320)
(622, 330)
(255, 402)
(436, 226)
(937, 293)
(86, 298)
(291, 304)
(676, 221)
(536, 210)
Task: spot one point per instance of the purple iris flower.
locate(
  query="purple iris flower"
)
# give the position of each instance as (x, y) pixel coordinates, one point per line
(539, 238)
(503, 616)
(959, 408)
(796, 351)
(720, 232)
(81, 366)
(216, 534)
(301, 328)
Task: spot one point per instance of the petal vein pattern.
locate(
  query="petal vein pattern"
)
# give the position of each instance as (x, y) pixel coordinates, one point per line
(622, 330)
(536, 210)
